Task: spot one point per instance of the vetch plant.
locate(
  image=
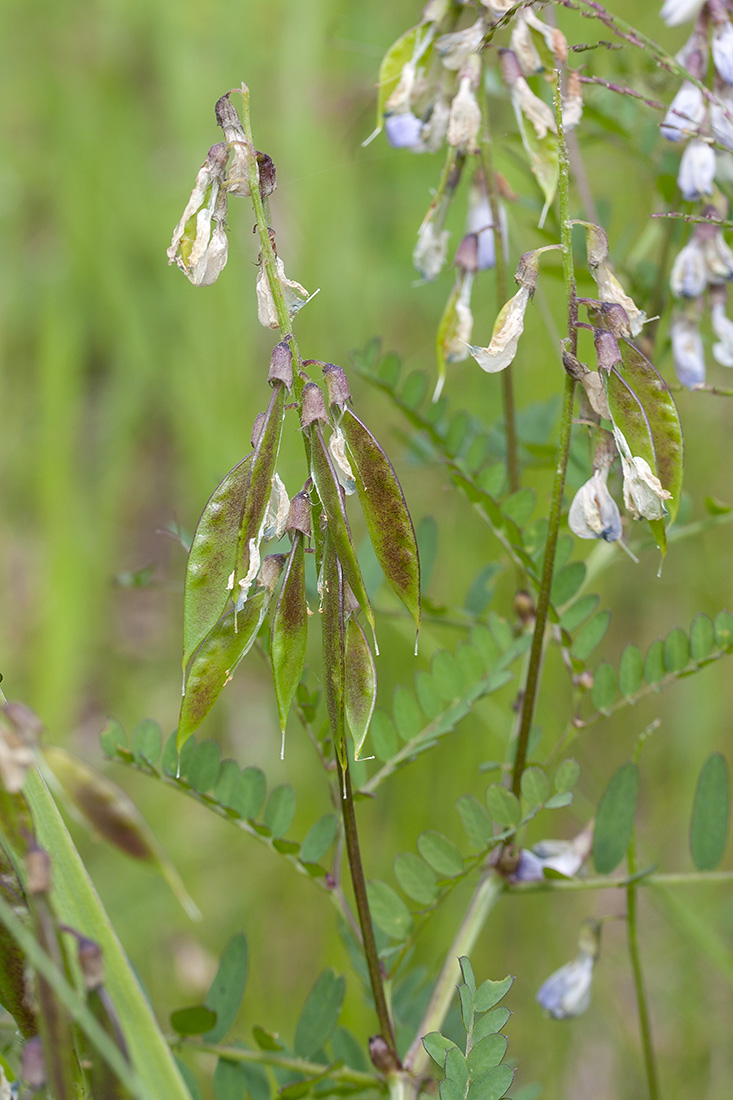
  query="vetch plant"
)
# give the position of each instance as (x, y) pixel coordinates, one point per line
(284, 572)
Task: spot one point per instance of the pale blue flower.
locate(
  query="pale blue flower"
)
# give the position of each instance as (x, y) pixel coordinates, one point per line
(687, 349)
(722, 47)
(686, 112)
(403, 130)
(567, 992)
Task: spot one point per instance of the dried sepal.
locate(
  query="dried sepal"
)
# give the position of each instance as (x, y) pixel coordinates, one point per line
(337, 386)
(295, 295)
(281, 364)
(299, 515)
(313, 406)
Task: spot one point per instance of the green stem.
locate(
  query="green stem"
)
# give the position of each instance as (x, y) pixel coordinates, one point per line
(502, 294)
(284, 1061)
(681, 878)
(543, 601)
(487, 893)
(641, 998)
(362, 907)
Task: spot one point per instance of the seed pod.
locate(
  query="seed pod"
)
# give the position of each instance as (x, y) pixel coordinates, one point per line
(385, 510)
(289, 631)
(331, 497)
(212, 556)
(13, 988)
(334, 643)
(360, 683)
(258, 494)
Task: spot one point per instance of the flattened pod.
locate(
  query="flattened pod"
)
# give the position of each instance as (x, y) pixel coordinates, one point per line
(330, 495)
(215, 661)
(289, 631)
(360, 684)
(334, 644)
(385, 511)
(260, 487)
(212, 556)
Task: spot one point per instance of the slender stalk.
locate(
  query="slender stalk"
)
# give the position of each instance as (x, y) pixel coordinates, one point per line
(284, 1061)
(502, 294)
(543, 601)
(487, 893)
(641, 998)
(675, 878)
(362, 907)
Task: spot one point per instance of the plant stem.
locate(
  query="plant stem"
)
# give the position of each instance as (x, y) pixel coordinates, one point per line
(543, 601)
(641, 998)
(362, 907)
(502, 294)
(487, 893)
(285, 1061)
(680, 878)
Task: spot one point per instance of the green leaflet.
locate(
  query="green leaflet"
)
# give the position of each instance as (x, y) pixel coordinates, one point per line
(289, 631)
(334, 643)
(320, 1014)
(393, 62)
(710, 814)
(227, 989)
(662, 417)
(360, 683)
(216, 659)
(331, 497)
(263, 468)
(212, 556)
(615, 819)
(385, 510)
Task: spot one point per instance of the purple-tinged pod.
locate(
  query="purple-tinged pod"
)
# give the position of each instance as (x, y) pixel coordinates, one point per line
(385, 510)
(331, 496)
(281, 364)
(217, 657)
(212, 556)
(255, 503)
(360, 683)
(14, 993)
(333, 631)
(289, 631)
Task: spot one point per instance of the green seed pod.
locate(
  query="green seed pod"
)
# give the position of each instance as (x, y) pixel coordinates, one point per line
(289, 631)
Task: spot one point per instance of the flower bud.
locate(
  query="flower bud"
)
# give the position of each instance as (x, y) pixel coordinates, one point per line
(199, 245)
(281, 364)
(686, 112)
(687, 350)
(594, 513)
(697, 170)
(479, 220)
(91, 963)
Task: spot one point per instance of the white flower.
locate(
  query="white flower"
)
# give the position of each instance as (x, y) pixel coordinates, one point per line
(455, 48)
(296, 296)
(522, 44)
(689, 277)
(686, 112)
(643, 491)
(429, 253)
(508, 328)
(610, 290)
(456, 346)
(723, 329)
(403, 130)
(594, 513)
(434, 131)
(199, 244)
(687, 350)
(721, 116)
(464, 122)
(697, 170)
(342, 466)
(718, 258)
(675, 12)
(564, 856)
(722, 47)
(533, 108)
(567, 991)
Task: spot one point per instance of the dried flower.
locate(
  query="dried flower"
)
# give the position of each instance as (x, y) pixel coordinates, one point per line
(697, 170)
(505, 337)
(675, 12)
(572, 103)
(643, 491)
(455, 48)
(460, 325)
(199, 244)
(687, 350)
(464, 122)
(594, 513)
(566, 993)
(430, 251)
(403, 130)
(722, 47)
(342, 466)
(435, 128)
(610, 290)
(686, 112)
(278, 507)
(688, 278)
(296, 296)
(237, 182)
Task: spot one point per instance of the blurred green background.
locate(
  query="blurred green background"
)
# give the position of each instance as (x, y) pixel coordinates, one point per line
(126, 394)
